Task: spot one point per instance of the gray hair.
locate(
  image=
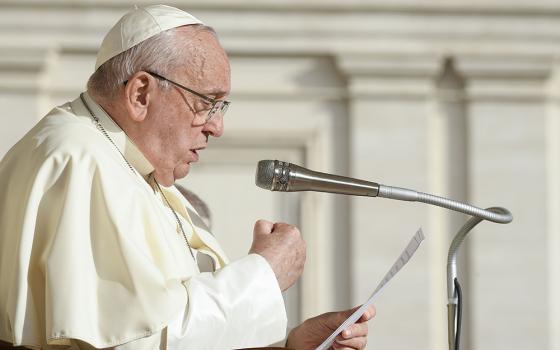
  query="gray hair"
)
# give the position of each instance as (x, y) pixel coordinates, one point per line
(161, 53)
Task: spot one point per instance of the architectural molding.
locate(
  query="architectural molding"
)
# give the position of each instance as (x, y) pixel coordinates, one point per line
(488, 77)
(541, 7)
(22, 69)
(322, 26)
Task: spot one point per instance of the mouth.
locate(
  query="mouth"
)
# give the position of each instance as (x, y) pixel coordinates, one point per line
(194, 155)
(194, 152)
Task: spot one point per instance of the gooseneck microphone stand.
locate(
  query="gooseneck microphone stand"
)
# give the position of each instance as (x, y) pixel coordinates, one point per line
(283, 176)
(454, 293)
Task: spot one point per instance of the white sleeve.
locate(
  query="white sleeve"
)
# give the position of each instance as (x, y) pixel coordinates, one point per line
(240, 305)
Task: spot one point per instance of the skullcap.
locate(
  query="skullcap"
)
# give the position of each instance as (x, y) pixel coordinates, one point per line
(138, 25)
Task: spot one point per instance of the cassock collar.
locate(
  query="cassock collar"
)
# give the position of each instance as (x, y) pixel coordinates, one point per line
(130, 151)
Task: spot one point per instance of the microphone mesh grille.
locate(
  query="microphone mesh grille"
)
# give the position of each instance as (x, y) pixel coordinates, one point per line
(265, 174)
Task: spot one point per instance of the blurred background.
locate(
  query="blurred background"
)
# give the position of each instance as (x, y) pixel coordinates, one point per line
(458, 98)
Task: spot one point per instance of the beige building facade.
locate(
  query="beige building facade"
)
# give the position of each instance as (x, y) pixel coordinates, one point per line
(456, 98)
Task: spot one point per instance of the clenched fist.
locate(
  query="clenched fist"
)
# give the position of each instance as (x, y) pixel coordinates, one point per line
(284, 249)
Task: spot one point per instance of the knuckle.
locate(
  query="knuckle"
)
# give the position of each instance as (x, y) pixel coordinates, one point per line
(290, 228)
(260, 226)
(290, 233)
(296, 236)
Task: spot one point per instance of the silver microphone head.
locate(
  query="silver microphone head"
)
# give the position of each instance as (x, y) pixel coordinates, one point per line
(273, 175)
(264, 177)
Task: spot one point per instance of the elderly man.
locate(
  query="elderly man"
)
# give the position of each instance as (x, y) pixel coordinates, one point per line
(97, 247)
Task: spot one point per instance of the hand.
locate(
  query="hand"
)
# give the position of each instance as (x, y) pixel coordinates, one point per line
(284, 249)
(311, 333)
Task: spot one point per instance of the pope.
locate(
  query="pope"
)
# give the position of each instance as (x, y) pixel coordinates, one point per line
(98, 249)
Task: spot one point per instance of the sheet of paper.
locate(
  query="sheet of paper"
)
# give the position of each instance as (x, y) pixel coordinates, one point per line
(397, 266)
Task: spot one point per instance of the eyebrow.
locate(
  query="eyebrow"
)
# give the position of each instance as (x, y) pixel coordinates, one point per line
(217, 93)
(214, 93)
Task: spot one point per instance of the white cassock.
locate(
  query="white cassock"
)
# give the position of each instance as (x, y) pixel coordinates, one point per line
(91, 254)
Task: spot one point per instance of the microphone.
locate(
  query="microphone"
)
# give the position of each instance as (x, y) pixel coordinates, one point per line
(276, 175)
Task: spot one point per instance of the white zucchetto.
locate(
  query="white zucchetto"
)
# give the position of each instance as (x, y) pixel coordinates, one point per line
(138, 25)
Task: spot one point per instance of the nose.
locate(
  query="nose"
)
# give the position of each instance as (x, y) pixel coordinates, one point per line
(215, 126)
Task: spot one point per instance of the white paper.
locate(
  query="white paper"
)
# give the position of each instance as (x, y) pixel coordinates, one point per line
(401, 261)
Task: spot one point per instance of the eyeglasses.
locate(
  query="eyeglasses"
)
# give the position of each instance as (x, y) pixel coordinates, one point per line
(217, 106)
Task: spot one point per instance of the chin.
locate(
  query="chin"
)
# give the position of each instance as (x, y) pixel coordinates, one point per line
(181, 171)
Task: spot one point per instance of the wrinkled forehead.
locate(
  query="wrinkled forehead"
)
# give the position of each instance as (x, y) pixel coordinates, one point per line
(205, 61)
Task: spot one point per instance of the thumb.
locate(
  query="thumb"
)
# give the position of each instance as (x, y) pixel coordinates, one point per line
(339, 317)
(262, 227)
(334, 319)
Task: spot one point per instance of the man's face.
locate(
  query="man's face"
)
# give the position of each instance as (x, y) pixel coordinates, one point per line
(177, 118)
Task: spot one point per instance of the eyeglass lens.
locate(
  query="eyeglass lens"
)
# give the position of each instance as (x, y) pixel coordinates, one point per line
(219, 107)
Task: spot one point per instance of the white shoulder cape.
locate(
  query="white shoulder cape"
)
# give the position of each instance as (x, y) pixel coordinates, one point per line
(86, 253)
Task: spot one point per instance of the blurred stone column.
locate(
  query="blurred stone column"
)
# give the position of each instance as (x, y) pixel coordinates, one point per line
(390, 107)
(553, 203)
(508, 263)
(448, 168)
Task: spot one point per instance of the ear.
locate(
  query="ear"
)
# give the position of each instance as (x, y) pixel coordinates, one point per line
(139, 92)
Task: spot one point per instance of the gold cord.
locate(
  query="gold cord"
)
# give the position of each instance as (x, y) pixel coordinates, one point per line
(176, 218)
